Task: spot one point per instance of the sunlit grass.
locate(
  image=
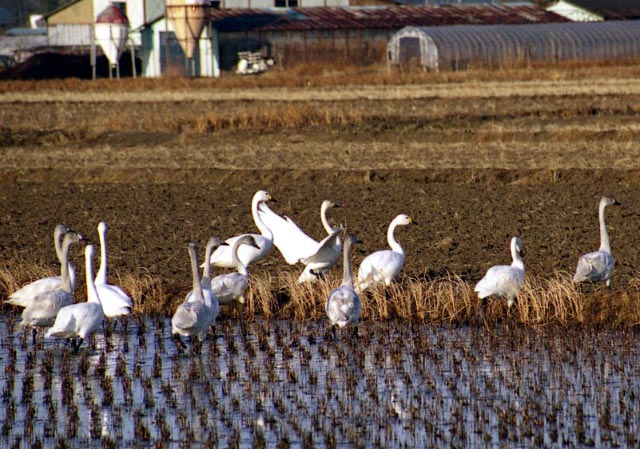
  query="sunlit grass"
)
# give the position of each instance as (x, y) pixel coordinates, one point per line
(552, 300)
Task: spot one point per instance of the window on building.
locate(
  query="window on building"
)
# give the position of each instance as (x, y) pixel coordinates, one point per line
(286, 3)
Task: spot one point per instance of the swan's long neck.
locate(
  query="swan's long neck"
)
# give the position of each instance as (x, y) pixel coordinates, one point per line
(101, 276)
(347, 274)
(58, 235)
(197, 287)
(64, 265)
(235, 260)
(604, 235)
(92, 292)
(323, 217)
(517, 261)
(264, 230)
(206, 270)
(391, 238)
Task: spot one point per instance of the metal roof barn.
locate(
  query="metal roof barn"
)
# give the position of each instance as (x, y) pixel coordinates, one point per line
(357, 35)
(458, 47)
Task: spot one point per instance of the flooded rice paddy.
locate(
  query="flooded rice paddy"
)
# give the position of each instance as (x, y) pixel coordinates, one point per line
(286, 384)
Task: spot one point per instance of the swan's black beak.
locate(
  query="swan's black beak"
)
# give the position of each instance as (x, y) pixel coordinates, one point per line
(616, 203)
(336, 205)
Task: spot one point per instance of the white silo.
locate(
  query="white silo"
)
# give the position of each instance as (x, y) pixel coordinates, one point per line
(188, 18)
(111, 32)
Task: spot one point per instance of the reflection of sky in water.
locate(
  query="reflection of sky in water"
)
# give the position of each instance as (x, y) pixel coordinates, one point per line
(400, 384)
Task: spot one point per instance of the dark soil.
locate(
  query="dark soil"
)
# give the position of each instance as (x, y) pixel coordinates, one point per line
(465, 222)
(42, 66)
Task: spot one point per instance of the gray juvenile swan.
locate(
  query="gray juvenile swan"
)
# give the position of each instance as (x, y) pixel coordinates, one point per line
(343, 304)
(193, 317)
(24, 296)
(230, 287)
(598, 266)
(45, 306)
(210, 298)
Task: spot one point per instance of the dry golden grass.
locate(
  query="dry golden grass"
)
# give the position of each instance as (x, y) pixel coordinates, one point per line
(553, 300)
(19, 274)
(324, 75)
(146, 292)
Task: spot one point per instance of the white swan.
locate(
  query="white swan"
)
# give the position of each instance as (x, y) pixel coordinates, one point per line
(115, 302)
(386, 264)
(26, 293)
(230, 287)
(78, 321)
(504, 280)
(598, 265)
(210, 298)
(296, 246)
(222, 256)
(192, 318)
(343, 305)
(45, 306)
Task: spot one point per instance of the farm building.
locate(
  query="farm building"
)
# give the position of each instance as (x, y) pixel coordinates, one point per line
(72, 24)
(596, 10)
(343, 35)
(458, 47)
(346, 35)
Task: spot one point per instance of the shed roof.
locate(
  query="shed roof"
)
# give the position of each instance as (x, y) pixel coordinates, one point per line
(610, 9)
(380, 17)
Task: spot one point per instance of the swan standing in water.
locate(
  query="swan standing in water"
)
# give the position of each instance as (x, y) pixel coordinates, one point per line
(78, 321)
(222, 256)
(598, 266)
(296, 246)
(210, 298)
(504, 280)
(384, 265)
(230, 287)
(45, 306)
(193, 317)
(343, 305)
(115, 302)
(24, 296)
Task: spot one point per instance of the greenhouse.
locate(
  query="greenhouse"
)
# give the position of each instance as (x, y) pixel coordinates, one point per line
(462, 46)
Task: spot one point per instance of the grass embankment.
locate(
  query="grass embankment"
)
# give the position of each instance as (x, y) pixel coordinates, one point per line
(448, 300)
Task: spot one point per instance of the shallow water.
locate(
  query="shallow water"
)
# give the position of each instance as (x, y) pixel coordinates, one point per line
(282, 382)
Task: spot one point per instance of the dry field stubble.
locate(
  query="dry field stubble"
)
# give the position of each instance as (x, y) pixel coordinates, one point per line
(475, 161)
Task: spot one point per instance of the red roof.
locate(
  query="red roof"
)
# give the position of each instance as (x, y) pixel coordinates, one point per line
(112, 14)
(380, 17)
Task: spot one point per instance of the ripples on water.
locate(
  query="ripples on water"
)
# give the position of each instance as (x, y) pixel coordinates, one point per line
(282, 383)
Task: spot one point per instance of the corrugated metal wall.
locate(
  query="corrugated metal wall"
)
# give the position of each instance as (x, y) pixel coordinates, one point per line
(457, 47)
(70, 35)
(358, 47)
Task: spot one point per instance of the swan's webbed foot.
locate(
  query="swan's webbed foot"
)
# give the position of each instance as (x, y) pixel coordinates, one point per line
(34, 335)
(356, 333)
